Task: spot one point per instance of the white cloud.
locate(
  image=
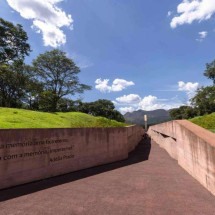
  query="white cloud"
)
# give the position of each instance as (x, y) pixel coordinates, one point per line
(129, 99)
(193, 10)
(102, 85)
(202, 36)
(148, 103)
(152, 103)
(121, 84)
(169, 13)
(117, 85)
(133, 102)
(189, 87)
(48, 19)
(125, 110)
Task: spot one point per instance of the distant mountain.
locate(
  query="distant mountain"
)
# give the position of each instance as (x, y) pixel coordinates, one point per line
(154, 117)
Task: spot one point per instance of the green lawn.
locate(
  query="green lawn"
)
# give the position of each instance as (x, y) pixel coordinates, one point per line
(20, 118)
(207, 121)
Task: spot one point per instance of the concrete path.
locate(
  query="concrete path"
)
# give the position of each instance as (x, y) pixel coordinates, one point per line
(157, 186)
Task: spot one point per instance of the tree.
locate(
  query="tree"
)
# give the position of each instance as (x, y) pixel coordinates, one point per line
(58, 74)
(210, 71)
(67, 105)
(101, 107)
(13, 42)
(204, 100)
(175, 114)
(15, 84)
(183, 112)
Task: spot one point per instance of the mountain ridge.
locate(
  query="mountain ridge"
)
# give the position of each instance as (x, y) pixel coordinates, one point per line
(154, 116)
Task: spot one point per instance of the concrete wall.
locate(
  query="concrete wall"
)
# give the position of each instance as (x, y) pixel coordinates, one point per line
(192, 146)
(32, 154)
(134, 136)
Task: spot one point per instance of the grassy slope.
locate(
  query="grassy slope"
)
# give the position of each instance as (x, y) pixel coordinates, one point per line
(207, 121)
(19, 118)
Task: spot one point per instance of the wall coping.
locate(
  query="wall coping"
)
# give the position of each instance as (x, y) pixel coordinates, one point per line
(131, 126)
(203, 133)
(60, 128)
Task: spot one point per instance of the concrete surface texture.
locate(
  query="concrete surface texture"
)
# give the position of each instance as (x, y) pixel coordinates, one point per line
(149, 182)
(32, 154)
(192, 146)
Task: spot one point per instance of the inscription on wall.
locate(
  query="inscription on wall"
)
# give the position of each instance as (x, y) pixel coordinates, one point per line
(48, 147)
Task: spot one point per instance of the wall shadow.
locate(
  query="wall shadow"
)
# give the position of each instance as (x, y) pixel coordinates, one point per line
(140, 154)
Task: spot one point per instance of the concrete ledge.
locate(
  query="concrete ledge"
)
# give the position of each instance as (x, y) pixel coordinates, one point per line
(27, 155)
(192, 146)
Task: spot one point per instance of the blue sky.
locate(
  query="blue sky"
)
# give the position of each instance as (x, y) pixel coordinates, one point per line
(138, 54)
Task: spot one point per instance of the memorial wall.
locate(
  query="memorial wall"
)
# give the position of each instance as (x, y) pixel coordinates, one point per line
(192, 146)
(28, 155)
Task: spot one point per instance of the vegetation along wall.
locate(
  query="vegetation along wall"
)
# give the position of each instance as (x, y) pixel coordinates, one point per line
(192, 146)
(32, 154)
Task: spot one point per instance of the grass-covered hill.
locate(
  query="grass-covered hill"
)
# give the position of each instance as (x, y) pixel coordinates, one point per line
(207, 121)
(19, 118)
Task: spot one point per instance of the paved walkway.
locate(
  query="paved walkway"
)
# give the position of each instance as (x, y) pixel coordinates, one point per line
(157, 186)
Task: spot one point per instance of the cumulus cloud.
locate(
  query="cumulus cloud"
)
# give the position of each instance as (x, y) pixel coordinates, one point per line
(48, 19)
(117, 85)
(129, 99)
(193, 10)
(189, 87)
(202, 36)
(102, 85)
(125, 110)
(150, 102)
(121, 84)
(133, 102)
(147, 103)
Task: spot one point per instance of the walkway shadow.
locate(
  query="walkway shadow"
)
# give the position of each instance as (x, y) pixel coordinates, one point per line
(140, 154)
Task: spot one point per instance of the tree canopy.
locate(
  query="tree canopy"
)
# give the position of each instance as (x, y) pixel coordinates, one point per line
(13, 42)
(204, 100)
(46, 85)
(58, 75)
(15, 83)
(183, 112)
(210, 71)
(101, 107)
